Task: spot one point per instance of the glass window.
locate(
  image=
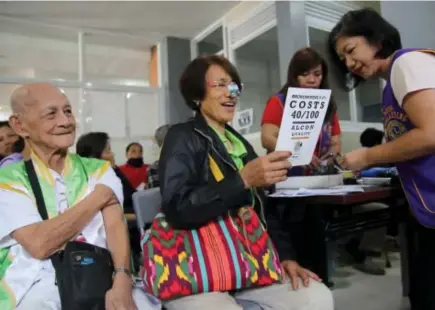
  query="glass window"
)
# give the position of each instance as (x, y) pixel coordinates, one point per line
(116, 60)
(318, 41)
(257, 63)
(27, 55)
(211, 44)
(6, 91)
(369, 97)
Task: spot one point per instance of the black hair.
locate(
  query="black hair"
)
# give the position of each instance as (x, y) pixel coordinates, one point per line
(373, 27)
(302, 61)
(92, 144)
(371, 137)
(133, 144)
(4, 124)
(19, 145)
(193, 83)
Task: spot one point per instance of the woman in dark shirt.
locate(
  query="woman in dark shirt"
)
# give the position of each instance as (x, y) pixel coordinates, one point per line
(97, 145)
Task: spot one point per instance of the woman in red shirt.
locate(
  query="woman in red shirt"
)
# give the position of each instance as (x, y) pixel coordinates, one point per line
(135, 169)
(307, 69)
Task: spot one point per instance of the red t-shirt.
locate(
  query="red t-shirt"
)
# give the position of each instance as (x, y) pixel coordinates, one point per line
(136, 176)
(275, 109)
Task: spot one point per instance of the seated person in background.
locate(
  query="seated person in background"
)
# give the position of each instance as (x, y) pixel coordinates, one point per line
(307, 69)
(209, 248)
(134, 169)
(20, 151)
(97, 145)
(371, 137)
(82, 198)
(7, 139)
(153, 169)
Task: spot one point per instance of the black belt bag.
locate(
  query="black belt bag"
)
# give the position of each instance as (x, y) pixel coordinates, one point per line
(84, 272)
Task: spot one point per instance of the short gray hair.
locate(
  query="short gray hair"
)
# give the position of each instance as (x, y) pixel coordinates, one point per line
(160, 134)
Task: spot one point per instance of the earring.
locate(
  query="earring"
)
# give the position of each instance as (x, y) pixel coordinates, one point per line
(197, 103)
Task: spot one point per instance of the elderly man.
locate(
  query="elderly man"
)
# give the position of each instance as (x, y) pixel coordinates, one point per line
(82, 197)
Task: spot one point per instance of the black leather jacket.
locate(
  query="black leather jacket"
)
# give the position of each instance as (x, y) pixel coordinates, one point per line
(191, 197)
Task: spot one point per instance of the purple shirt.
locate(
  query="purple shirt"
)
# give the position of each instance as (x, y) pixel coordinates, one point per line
(11, 159)
(417, 175)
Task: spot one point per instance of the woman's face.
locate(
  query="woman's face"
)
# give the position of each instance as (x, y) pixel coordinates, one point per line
(135, 151)
(108, 154)
(359, 56)
(311, 78)
(218, 106)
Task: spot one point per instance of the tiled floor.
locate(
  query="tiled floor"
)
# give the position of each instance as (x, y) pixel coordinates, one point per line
(357, 291)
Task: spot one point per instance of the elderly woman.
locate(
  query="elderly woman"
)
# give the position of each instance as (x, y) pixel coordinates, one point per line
(210, 248)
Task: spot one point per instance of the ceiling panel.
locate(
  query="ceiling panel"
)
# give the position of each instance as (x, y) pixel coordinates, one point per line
(139, 18)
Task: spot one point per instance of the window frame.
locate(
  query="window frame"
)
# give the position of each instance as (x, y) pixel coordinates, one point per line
(207, 31)
(232, 57)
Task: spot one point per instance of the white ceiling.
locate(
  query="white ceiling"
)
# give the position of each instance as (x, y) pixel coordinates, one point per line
(151, 20)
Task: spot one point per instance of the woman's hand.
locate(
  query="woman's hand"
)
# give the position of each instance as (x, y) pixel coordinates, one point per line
(315, 162)
(294, 271)
(355, 160)
(266, 170)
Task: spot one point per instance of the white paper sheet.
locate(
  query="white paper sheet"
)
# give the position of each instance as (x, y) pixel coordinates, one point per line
(304, 192)
(302, 121)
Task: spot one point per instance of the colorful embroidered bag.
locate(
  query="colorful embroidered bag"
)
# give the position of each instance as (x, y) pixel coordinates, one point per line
(224, 255)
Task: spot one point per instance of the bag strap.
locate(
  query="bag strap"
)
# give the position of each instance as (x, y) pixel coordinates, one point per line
(36, 188)
(42, 209)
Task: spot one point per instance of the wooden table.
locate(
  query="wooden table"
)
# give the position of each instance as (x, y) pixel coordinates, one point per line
(321, 224)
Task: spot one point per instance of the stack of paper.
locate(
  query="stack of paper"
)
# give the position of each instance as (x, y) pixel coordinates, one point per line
(305, 192)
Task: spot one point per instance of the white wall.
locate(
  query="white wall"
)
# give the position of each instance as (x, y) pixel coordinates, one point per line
(257, 86)
(414, 20)
(125, 118)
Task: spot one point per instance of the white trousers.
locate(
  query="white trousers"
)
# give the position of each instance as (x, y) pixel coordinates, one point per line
(274, 297)
(44, 295)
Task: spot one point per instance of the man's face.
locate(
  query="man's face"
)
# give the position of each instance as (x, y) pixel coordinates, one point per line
(7, 139)
(48, 121)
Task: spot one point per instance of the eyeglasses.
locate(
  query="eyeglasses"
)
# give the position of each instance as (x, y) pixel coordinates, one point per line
(232, 87)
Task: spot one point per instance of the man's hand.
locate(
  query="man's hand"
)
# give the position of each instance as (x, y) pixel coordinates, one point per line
(294, 271)
(120, 297)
